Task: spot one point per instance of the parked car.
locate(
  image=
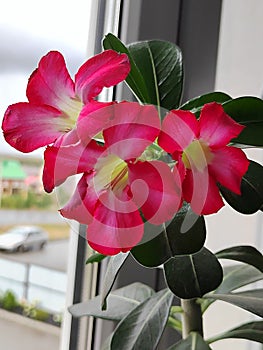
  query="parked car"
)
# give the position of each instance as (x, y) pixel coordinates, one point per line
(23, 238)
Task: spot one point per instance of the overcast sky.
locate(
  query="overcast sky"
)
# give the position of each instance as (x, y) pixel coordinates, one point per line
(28, 30)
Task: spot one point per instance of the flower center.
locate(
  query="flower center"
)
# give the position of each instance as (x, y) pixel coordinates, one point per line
(111, 173)
(152, 152)
(197, 154)
(71, 111)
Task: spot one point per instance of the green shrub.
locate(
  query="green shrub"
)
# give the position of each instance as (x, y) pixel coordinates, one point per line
(38, 200)
(14, 201)
(31, 200)
(31, 309)
(57, 318)
(9, 300)
(40, 315)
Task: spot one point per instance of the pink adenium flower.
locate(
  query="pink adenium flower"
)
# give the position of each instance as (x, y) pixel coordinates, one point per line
(55, 102)
(118, 182)
(203, 156)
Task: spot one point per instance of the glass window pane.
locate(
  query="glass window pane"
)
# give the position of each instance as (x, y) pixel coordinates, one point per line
(33, 278)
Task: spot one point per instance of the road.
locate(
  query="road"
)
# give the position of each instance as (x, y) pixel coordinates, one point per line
(53, 256)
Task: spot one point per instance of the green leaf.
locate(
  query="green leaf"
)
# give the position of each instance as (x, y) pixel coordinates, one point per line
(251, 198)
(135, 79)
(195, 105)
(247, 111)
(194, 342)
(238, 276)
(185, 234)
(120, 303)
(160, 63)
(95, 258)
(245, 254)
(251, 301)
(191, 276)
(250, 331)
(113, 268)
(156, 74)
(235, 277)
(144, 325)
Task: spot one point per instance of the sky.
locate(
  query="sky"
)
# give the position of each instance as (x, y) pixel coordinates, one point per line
(28, 30)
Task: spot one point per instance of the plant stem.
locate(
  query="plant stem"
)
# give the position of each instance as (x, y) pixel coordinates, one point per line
(175, 324)
(192, 317)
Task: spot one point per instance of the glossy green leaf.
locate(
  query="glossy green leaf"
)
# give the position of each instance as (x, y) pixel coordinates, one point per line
(194, 342)
(195, 105)
(185, 234)
(250, 331)
(235, 277)
(251, 198)
(238, 276)
(95, 258)
(245, 254)
(160, 63)
(191, 276)
(247, 111)
(113, 268)
(135, 79)
(251, 301)
(144, 325)
(156, 75)
(120, 303)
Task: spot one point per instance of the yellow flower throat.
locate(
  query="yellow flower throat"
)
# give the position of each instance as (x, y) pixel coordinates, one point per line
(111, 173)
(198, 154)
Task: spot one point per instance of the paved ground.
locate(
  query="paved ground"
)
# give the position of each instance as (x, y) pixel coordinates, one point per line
(19, 333)
(53, 256)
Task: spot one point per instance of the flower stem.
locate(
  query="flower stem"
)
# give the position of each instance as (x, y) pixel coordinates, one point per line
(192, 317)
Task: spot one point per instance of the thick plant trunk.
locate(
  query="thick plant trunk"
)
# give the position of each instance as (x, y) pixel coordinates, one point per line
(192, 317)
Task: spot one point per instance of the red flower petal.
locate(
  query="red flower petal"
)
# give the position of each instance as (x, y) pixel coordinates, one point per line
(155, 190)
(62, 162)
(105, 250)
(179, 128)
(132, 128)
(70, 138)
(201, 191)
(112, 231)
(93, 118)
(228, 167)
(27, 127)
(103, 70)
(216, 127)
(51, 83)
(76, 209)
(179, 168)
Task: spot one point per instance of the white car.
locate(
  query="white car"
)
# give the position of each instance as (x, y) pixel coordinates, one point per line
(23, 238)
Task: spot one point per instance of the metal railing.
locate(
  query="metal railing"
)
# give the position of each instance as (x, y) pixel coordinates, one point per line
(34, 283)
